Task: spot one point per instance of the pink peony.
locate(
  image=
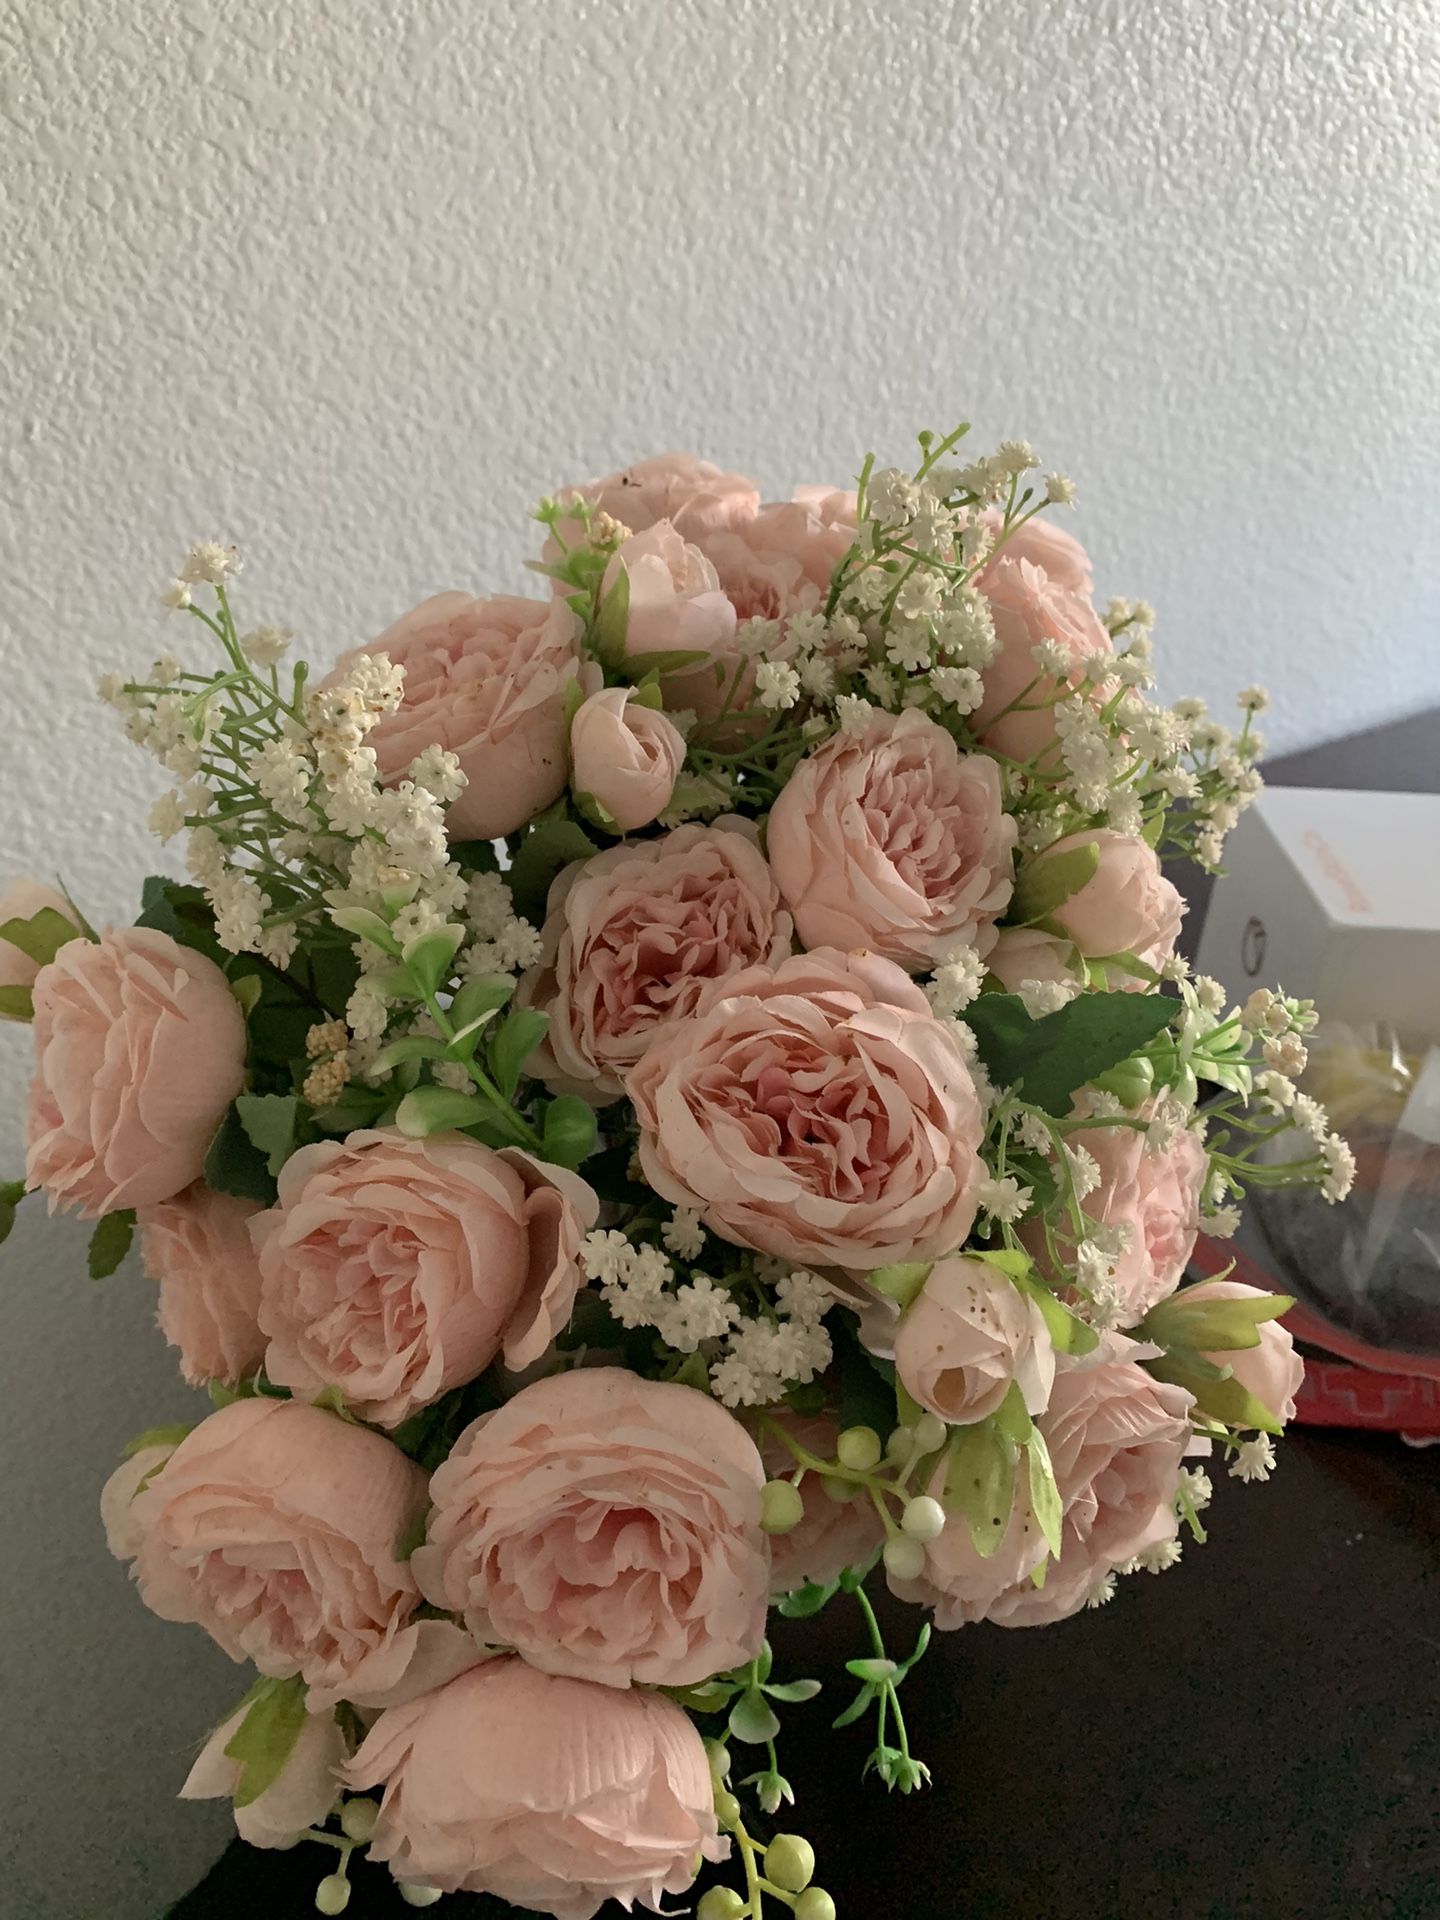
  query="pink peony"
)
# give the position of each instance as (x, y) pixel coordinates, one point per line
(834, 1534)
(966, 1336)
(22, 900)
(893, 839)
(634, 936)
(396, 1269)
(123, 1533)
(301, 1796)
(625, 756)
(607, 1527)
(486, 680)
(962, 1584)
(1156, 1197)
(549, 1793)
(1273, 1371)
(675, 606)
(198, 1247)
(1023, 954)
(139, 1049)
(274, 1526)
(1126, 906)
(695, 496)
(819, 1112)
(1030, 606)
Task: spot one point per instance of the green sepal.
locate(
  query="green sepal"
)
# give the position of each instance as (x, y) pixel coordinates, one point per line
(265, 1738)
(1051, 879)
(110, 1242)
(980, 1482)
(17, 1003)
(1212, 1326)
(902, 1281)
(612, 620)
(1215, 1389)
(157, 1437)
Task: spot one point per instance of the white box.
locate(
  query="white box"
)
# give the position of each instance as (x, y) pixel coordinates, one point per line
(1335, 897)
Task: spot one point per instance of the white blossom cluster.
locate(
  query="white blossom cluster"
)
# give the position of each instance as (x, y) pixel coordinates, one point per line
(751, 1357)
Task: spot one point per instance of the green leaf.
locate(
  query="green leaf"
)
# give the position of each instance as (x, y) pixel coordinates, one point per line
(436, 1110)
(40, 937)
(753, 1720)
(17, 1003)
(546, 848)
(410, 1046)
(356, 1107)
(157, 1437)
(903, 1281)
(1212, 1326)
(1068, 1332)
(1051, 879)
(12, 1192)
(1050, 1058)
(663, 660)
(365, 924)
(791, 1693)
(269, 1123)
(513, 1045)
(236, 1165)
(805, 1602)
(430, 956)
(479, 999)
(1216, 1390)
(612, 618)
(867, 1385)
(980, 1482)
(247, 990)
(265, 1738)
(110, 1242)
(1012, 1416)
(1044, 1494)
(568, 1131)
(181, 911)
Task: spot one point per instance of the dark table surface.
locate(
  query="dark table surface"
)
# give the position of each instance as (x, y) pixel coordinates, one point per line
(1254, 1735)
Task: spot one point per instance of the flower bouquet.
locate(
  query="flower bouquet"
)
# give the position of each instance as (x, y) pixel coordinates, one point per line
(659, 1101)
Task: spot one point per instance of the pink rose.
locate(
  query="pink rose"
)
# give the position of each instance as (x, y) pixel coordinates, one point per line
(274, 1526)
(893, 839)
(1273, 1371)
(675, 606)
(780, 561)
(123, 1533)
(302, 1795)
(1048, 546)
(626, 756)
(1030, 606)
(634, 936)
(22, 900)
(1116, 1440)
(966, 1336)
(139, 1049)
(819, 1112)
(486, 680)
(695, 496)
(1156, 1196)
(396, 1269)
(549, 1793)
(1126, 906)
(1024, 954)
(605, 1526)
(834, 1534)
(198, 1247)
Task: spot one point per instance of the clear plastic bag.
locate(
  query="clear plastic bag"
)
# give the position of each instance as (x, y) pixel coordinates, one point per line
(1372, 1266)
